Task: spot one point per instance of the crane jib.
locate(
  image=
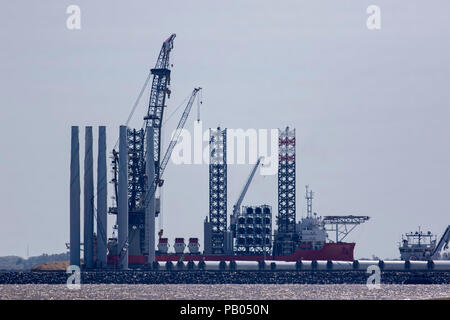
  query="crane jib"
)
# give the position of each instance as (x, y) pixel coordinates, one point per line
(158, 179)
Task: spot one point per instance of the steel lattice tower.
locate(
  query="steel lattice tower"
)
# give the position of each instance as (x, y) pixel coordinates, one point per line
(218, 188)
(136, 179)
(286, 181)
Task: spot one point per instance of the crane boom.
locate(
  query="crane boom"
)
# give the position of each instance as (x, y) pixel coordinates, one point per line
(244, 190)
(160, 82)
(177, 132)
(158, 179)
(443, 243)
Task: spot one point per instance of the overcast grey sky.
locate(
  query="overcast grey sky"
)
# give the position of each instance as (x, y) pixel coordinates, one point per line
(371, 108)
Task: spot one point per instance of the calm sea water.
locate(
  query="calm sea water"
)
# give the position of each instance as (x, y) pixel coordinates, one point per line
(223, 291)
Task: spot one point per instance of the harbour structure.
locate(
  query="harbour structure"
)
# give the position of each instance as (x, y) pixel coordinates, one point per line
(137, 202)
(138, 168)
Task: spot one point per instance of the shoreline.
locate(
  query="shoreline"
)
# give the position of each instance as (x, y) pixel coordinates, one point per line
(223, 292)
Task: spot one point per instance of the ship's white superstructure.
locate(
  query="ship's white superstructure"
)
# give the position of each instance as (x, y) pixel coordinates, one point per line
(312, 232)
(424, 246)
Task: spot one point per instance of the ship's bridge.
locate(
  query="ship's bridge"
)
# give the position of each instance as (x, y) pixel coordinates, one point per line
(312, 232)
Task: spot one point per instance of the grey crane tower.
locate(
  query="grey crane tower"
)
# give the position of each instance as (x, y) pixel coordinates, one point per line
(88, 201)
(102, 195)
(75, 199)
(122, 201)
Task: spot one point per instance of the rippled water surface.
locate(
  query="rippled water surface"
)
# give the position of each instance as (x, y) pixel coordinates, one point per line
(223, 291)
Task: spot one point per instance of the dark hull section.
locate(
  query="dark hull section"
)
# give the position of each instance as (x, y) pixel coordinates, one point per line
(330, 251)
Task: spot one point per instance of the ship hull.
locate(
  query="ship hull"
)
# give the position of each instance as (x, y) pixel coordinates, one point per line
(329, 251)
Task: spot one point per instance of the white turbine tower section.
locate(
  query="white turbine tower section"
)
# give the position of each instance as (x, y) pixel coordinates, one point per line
(150, 205)
(123, 199)
(102, 194)
(75, 198)
(88, 201)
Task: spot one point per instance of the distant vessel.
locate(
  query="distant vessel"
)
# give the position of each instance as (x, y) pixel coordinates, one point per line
(424, 246)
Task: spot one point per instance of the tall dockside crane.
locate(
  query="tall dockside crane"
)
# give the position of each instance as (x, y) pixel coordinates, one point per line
(138, 190)
(136, 137)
